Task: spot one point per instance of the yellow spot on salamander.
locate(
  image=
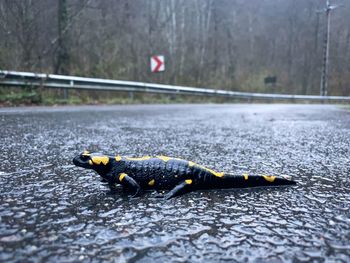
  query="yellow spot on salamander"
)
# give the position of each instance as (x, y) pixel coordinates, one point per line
(121, 176)
(190, 164)
(90, 162)
(164, 158)
(269, 178)
(245, 176)
(151, 183)
(188, 181)
(86, 153)
(100, 159)
(118, 158)
(138, 158)
(217, 174)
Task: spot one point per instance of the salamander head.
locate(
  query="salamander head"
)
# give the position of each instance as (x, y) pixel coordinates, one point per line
(96, 161)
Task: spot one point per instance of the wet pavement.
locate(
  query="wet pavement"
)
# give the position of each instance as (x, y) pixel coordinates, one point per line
(53, 211)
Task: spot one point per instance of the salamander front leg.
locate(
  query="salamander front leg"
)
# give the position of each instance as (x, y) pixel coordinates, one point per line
(180, 189)
(129, 183)
(112, 187)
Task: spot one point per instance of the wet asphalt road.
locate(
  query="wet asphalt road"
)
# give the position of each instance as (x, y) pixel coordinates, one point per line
(53, 211)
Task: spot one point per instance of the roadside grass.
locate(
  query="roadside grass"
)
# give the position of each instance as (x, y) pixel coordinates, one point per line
(12, 97)
(16, 96)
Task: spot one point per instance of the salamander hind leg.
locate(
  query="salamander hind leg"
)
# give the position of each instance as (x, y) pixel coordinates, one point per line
(182, 188)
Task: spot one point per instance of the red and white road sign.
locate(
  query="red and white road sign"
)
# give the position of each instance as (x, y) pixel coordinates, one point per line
(157, 63)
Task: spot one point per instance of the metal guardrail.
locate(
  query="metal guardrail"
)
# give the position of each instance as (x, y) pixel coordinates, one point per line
(15, 78)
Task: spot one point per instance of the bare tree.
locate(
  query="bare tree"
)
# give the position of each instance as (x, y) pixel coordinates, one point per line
(230, 44)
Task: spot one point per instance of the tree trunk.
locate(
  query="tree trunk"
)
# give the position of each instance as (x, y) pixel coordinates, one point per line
(62, 62)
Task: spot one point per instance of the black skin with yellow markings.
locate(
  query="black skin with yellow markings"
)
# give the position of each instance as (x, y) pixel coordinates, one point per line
(165, 173)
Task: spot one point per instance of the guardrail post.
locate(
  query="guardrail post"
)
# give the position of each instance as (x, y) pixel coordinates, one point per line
(66, 91)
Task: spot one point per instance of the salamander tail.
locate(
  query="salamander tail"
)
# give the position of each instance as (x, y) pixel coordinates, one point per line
(246, 180)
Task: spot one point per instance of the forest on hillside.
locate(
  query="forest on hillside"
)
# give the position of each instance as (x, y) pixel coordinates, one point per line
(223, 44)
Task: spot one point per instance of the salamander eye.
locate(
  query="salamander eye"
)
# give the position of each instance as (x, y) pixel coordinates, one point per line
(85, 157)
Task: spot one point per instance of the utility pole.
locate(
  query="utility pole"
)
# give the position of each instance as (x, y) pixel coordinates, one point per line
(324, 77)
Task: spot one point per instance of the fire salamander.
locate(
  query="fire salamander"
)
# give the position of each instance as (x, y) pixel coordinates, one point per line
(166, 173)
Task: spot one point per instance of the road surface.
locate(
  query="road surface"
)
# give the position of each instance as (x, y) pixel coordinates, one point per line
(53, 211)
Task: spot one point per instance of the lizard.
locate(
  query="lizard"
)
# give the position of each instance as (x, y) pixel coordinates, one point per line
(167, 173)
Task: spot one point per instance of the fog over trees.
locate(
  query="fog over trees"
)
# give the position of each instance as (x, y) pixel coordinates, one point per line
(224, 44)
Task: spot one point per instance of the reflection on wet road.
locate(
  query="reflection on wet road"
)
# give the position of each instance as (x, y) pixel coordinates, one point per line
(53, 211)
